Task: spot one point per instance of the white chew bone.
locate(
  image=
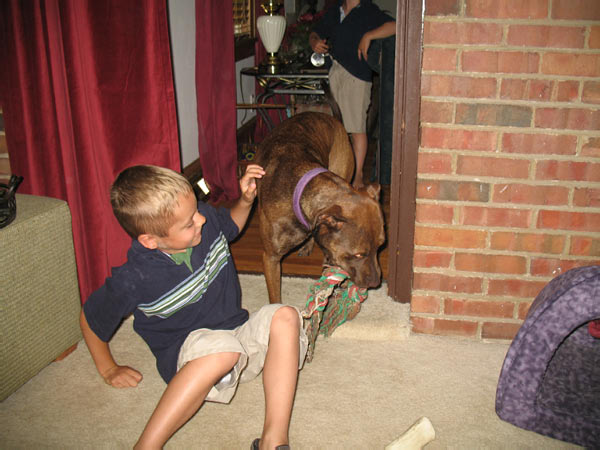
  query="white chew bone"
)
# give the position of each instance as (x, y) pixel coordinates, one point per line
(416, 437)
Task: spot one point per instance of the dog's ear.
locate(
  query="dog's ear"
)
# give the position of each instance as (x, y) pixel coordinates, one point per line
(331, 217)
(373, 190)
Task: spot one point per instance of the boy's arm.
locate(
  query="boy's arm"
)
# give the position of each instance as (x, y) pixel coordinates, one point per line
(241, 210)
(385, 30)
(113, 374)
(317, 44)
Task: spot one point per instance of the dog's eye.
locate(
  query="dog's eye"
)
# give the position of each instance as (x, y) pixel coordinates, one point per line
(360, 255)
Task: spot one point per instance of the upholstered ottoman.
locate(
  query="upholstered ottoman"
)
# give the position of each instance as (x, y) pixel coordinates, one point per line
(39, 293)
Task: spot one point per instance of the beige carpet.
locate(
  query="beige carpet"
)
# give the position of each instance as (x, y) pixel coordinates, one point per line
(366, 385)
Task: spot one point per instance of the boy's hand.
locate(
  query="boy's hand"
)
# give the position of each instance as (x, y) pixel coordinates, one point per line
(248, 182)
(122, 376)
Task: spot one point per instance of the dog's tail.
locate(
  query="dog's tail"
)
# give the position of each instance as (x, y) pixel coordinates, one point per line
(341, 156)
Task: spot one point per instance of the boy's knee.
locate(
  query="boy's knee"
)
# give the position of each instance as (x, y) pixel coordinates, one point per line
(286, 316)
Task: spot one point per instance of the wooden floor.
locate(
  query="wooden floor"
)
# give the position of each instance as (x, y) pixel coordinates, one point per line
(247, 250)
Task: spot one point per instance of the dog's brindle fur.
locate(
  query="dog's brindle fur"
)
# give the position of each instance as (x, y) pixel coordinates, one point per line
(345, 222)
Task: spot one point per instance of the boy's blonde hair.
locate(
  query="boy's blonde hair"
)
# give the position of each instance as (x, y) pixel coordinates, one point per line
(144, 197)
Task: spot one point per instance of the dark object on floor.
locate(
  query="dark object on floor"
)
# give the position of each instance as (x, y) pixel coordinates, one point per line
(550, 380)
(8, 202)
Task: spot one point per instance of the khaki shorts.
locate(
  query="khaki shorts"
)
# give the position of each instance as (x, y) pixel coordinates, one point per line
(250, 340)
(352, 95)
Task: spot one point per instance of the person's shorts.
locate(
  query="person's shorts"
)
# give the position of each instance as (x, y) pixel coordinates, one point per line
(250, 340)
(352, 95)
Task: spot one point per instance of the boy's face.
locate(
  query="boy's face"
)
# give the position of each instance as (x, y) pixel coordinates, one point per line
(185, 231)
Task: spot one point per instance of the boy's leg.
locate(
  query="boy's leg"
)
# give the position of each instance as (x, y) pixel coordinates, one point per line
(184, 395)
(280, 375)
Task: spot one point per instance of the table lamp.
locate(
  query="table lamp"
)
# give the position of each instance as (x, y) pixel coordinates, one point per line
(271, 29)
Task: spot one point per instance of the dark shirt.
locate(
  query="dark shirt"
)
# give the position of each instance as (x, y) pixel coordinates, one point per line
(167, 300)
(343, 38)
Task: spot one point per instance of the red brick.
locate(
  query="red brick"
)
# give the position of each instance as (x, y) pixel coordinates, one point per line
(499, 330)
(507, 9)
(447, 283)
(449, 237)
(495, 217)
(442, 7)
(474, 262)
(537, 143)
(439, 59)
(493, 167)
(523, 309)
(458, 86)
(568, 118)
(437, 214)
(546, 36)
(566, 220)
(500, 62)
(555, 267)
(587, 198)
(424, 258)
(591, 147)
(576, 9)
(514, 89)
(571, 64)
(591, 92)
(585, 246)
(434, 163)
(494, 115)
(567, 91)
(458, 139)
(444, 327)
(515, 288)
(540, 90)
(453, 190)
(460, 33)
(436, 112)
(527, 242)
(594, 41)
(567, 171)
(532, 195)
(477, 308)
(425, 304)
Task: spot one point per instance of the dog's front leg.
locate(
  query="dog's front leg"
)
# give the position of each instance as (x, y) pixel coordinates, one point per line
(272, 268)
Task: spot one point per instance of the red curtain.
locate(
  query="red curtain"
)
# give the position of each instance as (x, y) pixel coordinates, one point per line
(216, 97)
(87, 90)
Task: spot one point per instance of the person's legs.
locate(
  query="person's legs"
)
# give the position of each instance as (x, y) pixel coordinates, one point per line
(184, 395)
(280, 375)
(359, 145)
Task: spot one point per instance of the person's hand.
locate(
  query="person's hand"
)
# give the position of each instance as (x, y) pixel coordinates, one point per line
(363, 46)
(321, 46)
(122, 376)
(248, 182)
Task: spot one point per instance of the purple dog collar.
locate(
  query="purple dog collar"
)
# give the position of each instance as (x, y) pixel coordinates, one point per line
(298, 193)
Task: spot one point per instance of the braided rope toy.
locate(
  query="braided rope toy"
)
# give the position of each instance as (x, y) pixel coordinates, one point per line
(324, 316)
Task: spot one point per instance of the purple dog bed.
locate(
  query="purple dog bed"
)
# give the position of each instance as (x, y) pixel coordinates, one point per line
(550, 379)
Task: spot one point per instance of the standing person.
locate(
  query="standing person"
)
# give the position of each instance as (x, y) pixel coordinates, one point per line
(181, 286)
(346, 31)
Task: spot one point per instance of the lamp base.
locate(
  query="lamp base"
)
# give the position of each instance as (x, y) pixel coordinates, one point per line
(271, 64)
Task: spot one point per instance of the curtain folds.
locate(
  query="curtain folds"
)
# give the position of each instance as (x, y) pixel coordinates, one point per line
(216, 98)
(87, 90)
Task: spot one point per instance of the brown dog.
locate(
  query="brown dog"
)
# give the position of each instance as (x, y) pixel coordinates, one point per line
(345, 222)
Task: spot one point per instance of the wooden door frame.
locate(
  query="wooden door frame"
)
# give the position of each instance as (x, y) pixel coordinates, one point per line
(405, 148)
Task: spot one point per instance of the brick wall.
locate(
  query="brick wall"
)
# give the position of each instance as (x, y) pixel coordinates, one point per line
(508, 188)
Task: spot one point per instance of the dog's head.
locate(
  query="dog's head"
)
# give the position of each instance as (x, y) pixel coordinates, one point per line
(351, 232)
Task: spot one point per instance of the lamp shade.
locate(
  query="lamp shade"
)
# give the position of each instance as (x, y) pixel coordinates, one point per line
(271, 30)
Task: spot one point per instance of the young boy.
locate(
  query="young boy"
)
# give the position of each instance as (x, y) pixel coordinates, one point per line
(181, 285)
